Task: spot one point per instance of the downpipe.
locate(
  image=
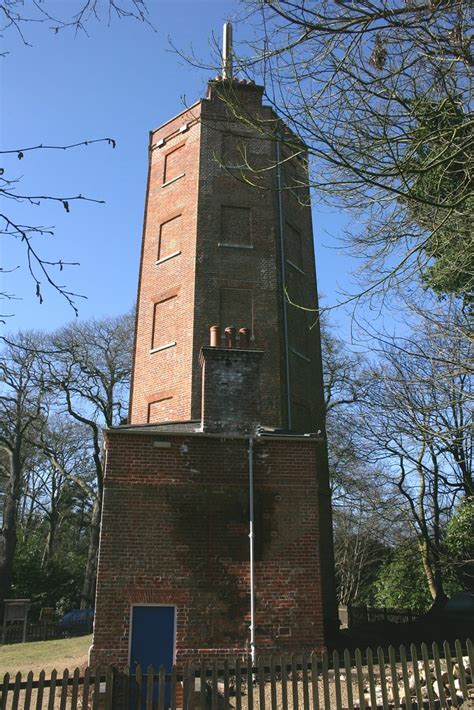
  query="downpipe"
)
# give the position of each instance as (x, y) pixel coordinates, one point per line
(253, 650)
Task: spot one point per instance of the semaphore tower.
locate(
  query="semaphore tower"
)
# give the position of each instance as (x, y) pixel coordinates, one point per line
(216, 534)
(227, 234)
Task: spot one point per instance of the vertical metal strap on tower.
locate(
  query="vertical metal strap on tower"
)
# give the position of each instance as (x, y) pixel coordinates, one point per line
(227, 51)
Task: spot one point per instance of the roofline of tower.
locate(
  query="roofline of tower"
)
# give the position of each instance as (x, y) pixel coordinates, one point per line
(204, 98)
(252, 86)
(173, 118)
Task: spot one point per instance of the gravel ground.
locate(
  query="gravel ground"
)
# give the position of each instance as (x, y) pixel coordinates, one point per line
(295, 692)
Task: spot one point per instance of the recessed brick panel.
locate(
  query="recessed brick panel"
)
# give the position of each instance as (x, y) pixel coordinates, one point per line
(174, 164)
(236, 225)
(234, 150)
(289, 175)
(161, 410)
(169, 239)
(294, 250)
(301, 413)
(298, 330)
(164, 322)
(296, 286)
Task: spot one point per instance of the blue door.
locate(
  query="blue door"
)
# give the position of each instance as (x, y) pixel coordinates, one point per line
(153, 635)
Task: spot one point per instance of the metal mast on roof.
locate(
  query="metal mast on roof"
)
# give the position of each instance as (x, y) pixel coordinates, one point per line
(227, 51)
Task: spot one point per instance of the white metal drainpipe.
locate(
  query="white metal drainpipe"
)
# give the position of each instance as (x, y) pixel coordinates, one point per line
(253, 650)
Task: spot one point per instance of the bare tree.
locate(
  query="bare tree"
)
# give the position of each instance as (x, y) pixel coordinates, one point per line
(360, 502)
(360, 549)
(381, 93)
(28, 233)
(346, 384)
(418, 427)
(21, 416)
(88, 366)
(61, 473)
(82, 372)
(15, 18)
(41, 269)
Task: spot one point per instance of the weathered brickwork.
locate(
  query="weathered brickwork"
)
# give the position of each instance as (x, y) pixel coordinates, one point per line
(175, 531)
(221, 260)
(219, 251)
(230, 390)
(161, 374)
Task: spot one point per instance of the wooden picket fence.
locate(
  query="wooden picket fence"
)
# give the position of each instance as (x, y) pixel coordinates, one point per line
(409, 679)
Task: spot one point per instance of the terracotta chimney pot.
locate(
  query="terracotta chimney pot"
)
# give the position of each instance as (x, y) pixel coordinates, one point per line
(244, 334)
(215, 336)
(230, 336)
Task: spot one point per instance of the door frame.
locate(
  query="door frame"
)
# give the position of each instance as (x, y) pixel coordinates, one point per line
(175, 625)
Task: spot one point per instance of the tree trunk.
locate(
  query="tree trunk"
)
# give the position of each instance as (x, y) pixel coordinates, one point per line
(433, 574)
(53, 520)
(8, 536)
(88, 589)
(48, 549)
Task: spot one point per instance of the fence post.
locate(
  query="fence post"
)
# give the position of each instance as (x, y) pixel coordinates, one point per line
(109, 688)
(294, 680)
(226, 684)
(203, 685)
(6, 682)
(162, 688)
(304, 663)
(261, 682)
(185, 687)
(214, 685)
(192, 686)
(284, 682)
(273, 690)
(119, 695)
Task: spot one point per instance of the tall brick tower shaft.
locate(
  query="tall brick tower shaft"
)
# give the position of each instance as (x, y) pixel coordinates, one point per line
(227, 234)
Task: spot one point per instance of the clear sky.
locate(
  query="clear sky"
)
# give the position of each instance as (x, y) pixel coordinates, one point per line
(119, 81)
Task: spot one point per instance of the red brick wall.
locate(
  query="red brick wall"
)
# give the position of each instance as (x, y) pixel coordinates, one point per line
(229, 266)
(230, 389)
(175, 531)
(172, 193)
(220, 259)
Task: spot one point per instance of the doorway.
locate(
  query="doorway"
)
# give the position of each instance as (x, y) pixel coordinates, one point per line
(153, 636)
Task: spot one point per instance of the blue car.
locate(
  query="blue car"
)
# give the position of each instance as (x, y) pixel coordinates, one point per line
(77, 622)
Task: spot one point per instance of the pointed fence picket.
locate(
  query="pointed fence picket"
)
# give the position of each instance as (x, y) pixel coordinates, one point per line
(410, 678)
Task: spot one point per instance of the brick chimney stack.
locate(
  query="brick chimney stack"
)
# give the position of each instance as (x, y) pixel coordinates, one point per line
(230, 383)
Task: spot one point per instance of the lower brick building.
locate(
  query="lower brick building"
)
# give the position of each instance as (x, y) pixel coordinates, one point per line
(174, 565)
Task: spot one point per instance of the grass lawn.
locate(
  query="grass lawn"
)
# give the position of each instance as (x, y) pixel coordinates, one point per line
(44, 655)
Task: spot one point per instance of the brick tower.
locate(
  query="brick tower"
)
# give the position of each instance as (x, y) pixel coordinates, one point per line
(218, 250)
(216, 533)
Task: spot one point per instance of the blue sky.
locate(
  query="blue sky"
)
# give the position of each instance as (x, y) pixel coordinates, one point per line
(119, 81)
